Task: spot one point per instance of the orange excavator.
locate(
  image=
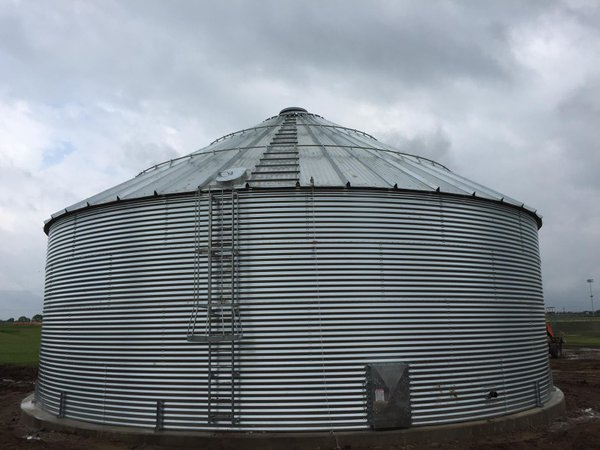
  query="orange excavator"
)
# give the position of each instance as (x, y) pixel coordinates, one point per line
(555, 343)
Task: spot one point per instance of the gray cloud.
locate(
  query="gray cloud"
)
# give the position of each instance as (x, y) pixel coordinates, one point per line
(504, 93)
(434, 144)
(579, 116)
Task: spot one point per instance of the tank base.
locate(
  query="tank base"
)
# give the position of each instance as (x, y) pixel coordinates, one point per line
(536, 418)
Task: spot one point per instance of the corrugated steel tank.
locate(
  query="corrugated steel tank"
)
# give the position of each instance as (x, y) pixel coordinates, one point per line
(258, 283)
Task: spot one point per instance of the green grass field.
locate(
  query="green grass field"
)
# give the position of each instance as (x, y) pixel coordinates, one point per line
(577, 330)
(19, 344)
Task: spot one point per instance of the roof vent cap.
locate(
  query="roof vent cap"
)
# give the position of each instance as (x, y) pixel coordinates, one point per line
(292, 110)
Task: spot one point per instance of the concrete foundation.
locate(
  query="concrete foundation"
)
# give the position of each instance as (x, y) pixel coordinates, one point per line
(536, 418)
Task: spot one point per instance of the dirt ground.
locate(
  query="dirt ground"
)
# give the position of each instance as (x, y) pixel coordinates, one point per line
(577, 375)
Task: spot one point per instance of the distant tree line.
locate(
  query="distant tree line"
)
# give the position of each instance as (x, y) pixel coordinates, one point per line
(36, 318)
(574, 313)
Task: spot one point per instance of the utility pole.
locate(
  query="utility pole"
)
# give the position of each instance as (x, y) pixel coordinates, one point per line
(590, 281)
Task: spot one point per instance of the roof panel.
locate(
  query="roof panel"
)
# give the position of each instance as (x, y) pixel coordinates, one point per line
(296, 148)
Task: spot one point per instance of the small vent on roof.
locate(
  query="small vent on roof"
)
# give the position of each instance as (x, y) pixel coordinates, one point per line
(230, 174)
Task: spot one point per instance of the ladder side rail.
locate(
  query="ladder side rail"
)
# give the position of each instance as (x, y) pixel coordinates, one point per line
(233, 302)
(238, 329)
(209, 253)
(209, 390)
(221, 262)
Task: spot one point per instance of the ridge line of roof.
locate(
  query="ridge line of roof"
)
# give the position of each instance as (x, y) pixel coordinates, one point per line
(360, 147)
(235, 133)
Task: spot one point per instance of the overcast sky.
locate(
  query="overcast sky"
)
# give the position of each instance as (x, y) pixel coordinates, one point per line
(504, 93)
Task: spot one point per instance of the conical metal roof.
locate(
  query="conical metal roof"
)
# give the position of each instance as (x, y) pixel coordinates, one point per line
(295, 149)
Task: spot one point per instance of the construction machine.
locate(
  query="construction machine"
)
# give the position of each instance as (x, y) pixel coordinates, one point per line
(555, 343)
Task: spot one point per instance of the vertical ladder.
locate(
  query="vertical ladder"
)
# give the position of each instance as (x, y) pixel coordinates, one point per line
(222, 330)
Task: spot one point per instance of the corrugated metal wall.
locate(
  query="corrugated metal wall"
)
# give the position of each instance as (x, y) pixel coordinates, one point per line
(330, 280)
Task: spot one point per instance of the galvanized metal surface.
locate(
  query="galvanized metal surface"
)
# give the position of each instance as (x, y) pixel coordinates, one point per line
(322, 154)
(329, 280)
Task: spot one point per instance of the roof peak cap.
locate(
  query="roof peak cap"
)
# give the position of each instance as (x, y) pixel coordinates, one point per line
(292, 110)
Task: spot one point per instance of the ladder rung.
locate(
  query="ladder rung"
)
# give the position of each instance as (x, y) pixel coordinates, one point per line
(293, 154)
(224, 312)
(270, 166)
(216, 250)
(215, 417)
(265, 162)
(224, 307)
(223, 378)
(274, 171)
(284, 150)
(223, 319)
(213, 337)
(224, 250)
(271, 180)
(219, 377)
